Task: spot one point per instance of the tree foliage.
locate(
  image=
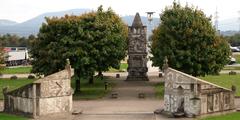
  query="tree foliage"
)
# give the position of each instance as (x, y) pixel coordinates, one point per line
(1, 58)
(188, 39)
(92, 41)
(9, 40)
(234, 40)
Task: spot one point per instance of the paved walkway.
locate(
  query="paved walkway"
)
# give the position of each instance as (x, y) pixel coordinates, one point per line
(126, 107)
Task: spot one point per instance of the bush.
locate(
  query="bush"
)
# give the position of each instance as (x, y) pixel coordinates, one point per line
(14, 77)
(31, 77)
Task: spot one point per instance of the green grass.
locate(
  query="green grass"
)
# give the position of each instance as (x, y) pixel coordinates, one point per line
(230, 116)
(123, 68)
(231, 68)
(13, 84)
(92, 91)
(4, 116)
(88, 91)
(17, 70)
(237, 57)
(225, 80)
(159, 88)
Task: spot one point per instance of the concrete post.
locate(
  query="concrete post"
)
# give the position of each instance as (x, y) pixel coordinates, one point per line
(34, 101)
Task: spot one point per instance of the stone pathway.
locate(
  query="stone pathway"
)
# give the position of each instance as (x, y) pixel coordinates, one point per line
(126, 107)
(129, 90)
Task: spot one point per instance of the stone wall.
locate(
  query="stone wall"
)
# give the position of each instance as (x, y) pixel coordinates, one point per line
(193, 96)
(51, 94)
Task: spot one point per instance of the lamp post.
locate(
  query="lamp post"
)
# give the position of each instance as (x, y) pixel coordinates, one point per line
(149, 16)
(149, 30)
(149, 33)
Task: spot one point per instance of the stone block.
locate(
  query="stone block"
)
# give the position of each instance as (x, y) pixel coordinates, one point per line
(114, 95)
(141, 95)
(117, 75)
(232, 73)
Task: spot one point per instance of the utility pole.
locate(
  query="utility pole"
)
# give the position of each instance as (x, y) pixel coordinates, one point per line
(216, 19)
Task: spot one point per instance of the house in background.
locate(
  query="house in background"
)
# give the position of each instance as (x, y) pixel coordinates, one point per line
(16, 56)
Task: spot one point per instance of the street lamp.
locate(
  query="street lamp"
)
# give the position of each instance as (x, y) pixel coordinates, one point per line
(149, 16)
(150, 27)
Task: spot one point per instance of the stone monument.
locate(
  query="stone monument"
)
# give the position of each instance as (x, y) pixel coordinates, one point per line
(137, 51)
(48, 95)
(191, 96)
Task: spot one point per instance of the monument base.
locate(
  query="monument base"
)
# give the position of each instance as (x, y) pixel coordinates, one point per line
(137, 78)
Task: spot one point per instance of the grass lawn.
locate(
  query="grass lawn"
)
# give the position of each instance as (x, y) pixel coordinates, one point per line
(230, 116)
(17, 70)
(237, 57)
(13, 84)
(123, 68)
(88, 91)
(4, 116)
(231, 68)
(159, 88)
(225, 80)
(94, 91)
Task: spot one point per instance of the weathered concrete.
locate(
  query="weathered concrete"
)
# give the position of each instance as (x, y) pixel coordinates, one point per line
(137, 51)
(51, 94)
(193, 96)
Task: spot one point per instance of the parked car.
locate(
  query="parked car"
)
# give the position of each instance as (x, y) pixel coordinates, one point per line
(234, 49)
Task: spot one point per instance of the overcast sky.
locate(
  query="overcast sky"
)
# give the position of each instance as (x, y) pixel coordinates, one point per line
(22, 10)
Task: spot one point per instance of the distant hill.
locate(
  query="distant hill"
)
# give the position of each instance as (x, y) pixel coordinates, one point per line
(32, 26)
(4, 22)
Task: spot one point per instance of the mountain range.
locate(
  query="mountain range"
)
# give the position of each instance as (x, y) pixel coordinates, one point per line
(32, 26)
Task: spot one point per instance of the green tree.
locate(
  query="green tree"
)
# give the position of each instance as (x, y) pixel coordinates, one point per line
(9, 40)
(234, 40)
(1, 59)
(86, 40)
(188, 39)
(111, 40)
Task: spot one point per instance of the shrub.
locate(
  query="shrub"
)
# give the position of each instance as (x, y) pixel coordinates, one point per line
(14, 77)
(31, 77)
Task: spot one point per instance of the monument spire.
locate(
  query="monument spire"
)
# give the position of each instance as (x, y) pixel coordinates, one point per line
(137, 22)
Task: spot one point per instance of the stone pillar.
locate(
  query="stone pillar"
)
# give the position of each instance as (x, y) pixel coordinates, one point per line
(137, 51)
(34, 101)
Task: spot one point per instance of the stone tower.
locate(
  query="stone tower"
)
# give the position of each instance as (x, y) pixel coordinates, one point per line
(137, 51)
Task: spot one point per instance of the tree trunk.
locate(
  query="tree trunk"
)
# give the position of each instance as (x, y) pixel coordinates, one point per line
(77, 78)
(90, 80)
(100, 75)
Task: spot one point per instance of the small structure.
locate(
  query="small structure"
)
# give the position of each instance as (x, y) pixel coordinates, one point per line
(16, 56)
(137, 51)
(191, 96)
(51, 94)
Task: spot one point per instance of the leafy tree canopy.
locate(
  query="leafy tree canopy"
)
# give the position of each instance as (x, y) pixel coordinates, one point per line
(92, 41)
(1, 59)
(189, 41)
(234, 40)
(9, 40)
